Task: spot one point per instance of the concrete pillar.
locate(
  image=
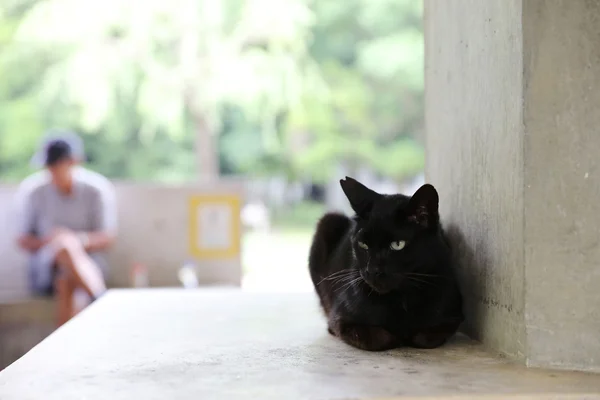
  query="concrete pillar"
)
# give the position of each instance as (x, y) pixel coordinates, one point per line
(513, 143)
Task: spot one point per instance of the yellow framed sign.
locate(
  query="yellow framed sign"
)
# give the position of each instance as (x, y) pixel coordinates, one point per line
(214, 226)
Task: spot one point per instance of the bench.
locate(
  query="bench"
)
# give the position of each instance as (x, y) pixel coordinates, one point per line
(23, 324)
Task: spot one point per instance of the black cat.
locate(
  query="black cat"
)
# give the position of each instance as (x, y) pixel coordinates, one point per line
(385, 277)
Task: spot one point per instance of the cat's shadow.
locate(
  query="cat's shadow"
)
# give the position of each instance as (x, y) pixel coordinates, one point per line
(470, 285)
(329, 344)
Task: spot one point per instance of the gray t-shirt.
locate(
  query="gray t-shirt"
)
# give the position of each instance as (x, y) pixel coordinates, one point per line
(91, 207)
(41, 207)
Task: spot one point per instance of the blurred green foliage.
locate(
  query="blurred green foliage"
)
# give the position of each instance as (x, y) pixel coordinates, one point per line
(293, 86)
(298, 217)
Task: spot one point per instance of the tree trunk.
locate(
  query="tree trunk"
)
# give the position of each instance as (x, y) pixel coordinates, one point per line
(207, 150)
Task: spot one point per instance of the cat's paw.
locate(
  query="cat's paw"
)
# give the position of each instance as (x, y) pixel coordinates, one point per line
(428, 340)
(435, 336)
(370, 338)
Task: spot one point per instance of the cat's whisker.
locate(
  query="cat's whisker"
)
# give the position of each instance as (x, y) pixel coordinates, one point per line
(415, 279)
(336, 278)
(337, 274)
(350, 273)
(349, 284)
(423, 275)
(343, 287)
(420, 280)
(415, 284)
(344, 279)
(353, 284)
(342, 282)
(347, 277)
(358, 281)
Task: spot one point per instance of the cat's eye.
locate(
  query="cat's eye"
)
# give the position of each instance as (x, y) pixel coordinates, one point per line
(399, 245)
(363, 245)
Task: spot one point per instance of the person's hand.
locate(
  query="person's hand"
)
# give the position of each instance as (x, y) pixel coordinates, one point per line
(60, 231)
(56, 232)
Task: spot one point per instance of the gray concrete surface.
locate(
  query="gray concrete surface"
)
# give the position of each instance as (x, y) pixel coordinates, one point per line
(227, 344)
(512, 100)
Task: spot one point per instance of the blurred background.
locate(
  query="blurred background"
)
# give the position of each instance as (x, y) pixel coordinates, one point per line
(285, 96)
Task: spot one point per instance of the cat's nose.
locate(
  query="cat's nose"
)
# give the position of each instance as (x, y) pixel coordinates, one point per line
(366, 273)
(372, 272)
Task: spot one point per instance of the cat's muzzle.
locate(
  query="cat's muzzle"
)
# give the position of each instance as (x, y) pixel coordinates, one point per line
(378, 282)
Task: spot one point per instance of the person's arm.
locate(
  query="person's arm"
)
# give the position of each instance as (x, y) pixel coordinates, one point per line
(97, 240)
(30, 243)
(25, 222)
(105, 222)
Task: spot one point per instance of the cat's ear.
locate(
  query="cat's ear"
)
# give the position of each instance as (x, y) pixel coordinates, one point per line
(423, 206)
(361, 198)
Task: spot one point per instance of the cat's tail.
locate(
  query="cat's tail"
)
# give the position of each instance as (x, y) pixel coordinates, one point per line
(331, 229)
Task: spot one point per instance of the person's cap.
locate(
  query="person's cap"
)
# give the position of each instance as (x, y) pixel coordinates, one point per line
(58, 147)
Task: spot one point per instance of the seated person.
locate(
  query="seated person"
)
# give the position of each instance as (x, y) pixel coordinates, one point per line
(66, 221)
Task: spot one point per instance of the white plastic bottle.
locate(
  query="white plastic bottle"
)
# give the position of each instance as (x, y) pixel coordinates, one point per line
(139, 276)
(187, 275)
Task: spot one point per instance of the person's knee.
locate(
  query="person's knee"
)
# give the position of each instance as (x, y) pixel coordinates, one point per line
(65, 244)
(65, 241)
(64, 248)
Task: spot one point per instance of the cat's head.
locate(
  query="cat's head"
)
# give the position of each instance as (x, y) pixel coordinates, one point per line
(392, 232)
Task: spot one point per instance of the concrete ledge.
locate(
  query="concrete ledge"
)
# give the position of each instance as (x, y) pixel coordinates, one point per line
(544, 396)
(224, 344)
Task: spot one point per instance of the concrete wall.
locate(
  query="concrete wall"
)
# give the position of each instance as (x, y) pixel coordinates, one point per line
(13, 275)
(474, 153)
(153, 230)
(512, 101)
(562, 181)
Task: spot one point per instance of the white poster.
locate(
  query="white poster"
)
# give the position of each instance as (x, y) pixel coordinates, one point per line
(214, 226)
